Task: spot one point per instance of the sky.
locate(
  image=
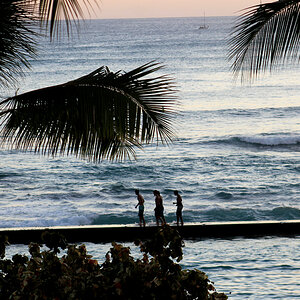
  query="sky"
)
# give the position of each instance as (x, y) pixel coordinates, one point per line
(169, 8)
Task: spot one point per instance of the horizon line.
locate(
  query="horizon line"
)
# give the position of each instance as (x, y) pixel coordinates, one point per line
(167, 17)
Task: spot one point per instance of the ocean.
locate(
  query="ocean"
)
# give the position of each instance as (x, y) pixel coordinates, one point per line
(236, 156)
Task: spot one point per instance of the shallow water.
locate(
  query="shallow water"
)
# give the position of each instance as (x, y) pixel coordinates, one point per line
(264, 268)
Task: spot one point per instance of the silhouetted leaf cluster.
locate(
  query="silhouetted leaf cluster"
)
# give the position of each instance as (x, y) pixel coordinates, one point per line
(264, 36)
(102, 115)
(17, 39)
(76, 275)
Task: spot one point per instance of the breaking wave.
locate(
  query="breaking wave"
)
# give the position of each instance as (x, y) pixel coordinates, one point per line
(209, 215)
(270, 140)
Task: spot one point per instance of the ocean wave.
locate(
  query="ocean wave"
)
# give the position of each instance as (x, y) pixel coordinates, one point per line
(263, 112)
(209, 215)
(189, 216)
(224, 195)
(75, 220)
(240, 214)
(270, 140)
(112, 219)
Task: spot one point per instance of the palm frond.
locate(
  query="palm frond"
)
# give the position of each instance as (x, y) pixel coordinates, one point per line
(53, 13)
(264, 36)
(102, 115)
(17, 39)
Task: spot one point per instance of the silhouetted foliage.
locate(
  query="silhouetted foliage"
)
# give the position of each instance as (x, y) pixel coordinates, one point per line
(17, 39)
(102, 115)
(264, 36)
(76, 275)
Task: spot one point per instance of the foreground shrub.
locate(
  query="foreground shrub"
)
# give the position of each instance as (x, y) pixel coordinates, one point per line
(75, 275)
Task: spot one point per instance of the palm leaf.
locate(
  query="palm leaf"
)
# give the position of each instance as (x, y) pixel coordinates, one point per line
(17, 43)
(264, 36)
(53, 12)
(102, 115)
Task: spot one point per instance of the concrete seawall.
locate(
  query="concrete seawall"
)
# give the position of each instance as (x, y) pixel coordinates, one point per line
(124, 233)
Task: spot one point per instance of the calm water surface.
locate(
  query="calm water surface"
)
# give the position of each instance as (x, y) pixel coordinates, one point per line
(264, 268)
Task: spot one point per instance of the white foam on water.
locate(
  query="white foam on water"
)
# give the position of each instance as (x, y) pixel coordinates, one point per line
(270, 140)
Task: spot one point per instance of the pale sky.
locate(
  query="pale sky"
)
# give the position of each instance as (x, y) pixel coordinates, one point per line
(169, 8)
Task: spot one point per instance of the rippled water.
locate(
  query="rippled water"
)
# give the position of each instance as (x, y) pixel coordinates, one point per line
(264, 268)
(236, 156)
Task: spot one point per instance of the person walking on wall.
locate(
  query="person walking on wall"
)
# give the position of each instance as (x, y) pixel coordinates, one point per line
(159, 208)
(179, 208)
(140, 204)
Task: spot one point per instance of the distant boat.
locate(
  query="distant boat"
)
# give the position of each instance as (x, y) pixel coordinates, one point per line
(203, 26)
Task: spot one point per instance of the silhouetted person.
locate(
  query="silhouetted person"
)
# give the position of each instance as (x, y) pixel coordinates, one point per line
(140, 204)
(159, 208)
(179, 208)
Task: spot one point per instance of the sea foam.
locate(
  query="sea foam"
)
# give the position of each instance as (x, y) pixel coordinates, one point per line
(271, 140)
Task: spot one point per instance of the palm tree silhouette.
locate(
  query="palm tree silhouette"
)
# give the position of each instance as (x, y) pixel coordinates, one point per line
(264, 36)
(17, 39)
(103, 115)
(20, 21)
